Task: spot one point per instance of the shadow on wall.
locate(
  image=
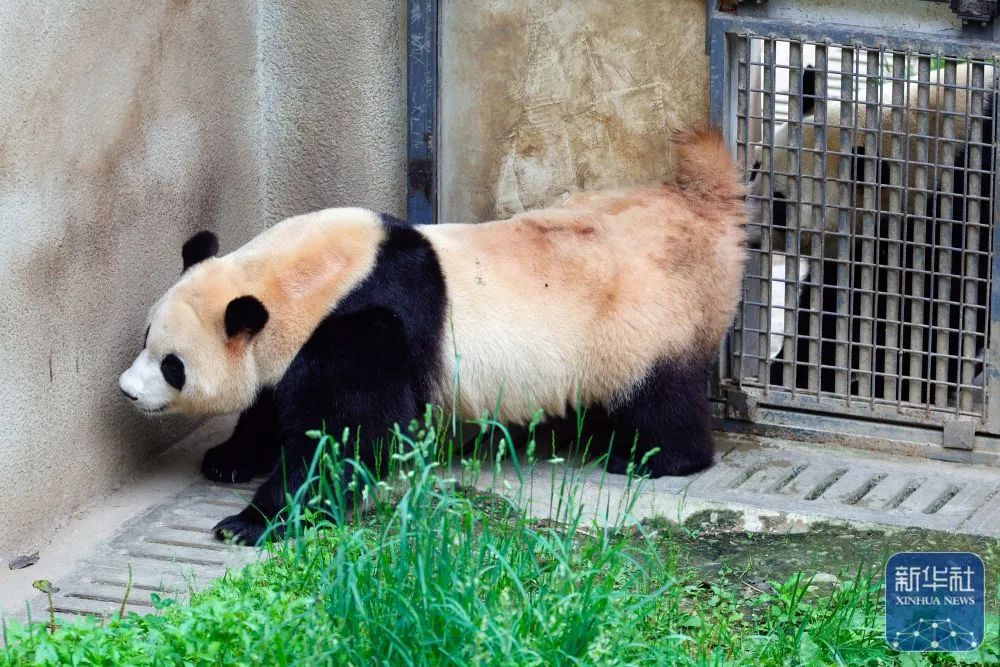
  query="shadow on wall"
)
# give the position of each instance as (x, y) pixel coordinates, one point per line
(123, 130)
(122, 135)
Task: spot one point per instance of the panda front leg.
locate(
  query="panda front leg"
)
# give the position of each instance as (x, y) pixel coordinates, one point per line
(354, 373)
(669, 411)
(249, 525)
(289, 474)
(251, 450)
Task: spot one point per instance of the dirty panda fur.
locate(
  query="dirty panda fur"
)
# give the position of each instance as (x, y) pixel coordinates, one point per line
(616, 300)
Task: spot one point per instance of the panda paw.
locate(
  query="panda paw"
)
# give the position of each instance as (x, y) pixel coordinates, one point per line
(617, 465)
(245, 528)
(221, 464)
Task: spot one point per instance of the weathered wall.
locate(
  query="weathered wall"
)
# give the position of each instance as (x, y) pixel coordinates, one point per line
(333, 104)
(124, 127)
(541, 97)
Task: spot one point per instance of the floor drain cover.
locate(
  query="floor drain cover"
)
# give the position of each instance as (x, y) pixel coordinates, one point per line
(170, 551)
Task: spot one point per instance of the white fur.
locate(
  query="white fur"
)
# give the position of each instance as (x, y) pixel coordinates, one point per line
(778, 287)
(144, 382)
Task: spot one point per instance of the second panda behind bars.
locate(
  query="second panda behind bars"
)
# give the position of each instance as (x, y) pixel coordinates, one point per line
(907, 193)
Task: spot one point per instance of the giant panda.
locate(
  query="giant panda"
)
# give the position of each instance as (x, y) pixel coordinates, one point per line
(344, 317)
(945, 203)
(771, 169)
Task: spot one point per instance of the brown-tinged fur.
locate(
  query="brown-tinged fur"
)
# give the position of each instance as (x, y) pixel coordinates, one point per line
(705, 169)
(580, 301)
(299, 269)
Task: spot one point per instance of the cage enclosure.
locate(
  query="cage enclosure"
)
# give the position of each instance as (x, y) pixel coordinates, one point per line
(868, 144)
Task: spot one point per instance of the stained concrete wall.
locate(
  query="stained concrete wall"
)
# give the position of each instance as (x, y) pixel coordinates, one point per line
(124, 127)
(541, 97)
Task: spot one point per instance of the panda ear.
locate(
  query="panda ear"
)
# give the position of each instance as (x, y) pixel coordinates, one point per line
(198, 248)
(245, 314)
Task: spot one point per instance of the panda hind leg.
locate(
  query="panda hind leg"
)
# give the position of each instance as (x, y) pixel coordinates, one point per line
(669, 412)
(251, 450)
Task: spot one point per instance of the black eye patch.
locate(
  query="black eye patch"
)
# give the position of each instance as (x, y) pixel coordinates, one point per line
(173, 371)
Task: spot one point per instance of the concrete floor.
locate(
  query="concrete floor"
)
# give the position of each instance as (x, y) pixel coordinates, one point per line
(160, 525)
(781, 486)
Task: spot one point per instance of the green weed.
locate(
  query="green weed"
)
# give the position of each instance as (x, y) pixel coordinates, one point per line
(421, 568)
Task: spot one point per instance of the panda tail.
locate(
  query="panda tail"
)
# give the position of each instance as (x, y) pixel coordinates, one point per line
(706, 169)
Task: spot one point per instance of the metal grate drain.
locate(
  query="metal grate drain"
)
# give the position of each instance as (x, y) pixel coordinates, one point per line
(171, 552)
(779, 486)
(799, 479)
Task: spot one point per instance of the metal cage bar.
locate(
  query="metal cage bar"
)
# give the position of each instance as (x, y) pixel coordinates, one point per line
(817, 242)
(921, 203)
(895, 223)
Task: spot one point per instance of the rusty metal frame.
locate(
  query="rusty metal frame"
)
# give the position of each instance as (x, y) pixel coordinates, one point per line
(422, 117)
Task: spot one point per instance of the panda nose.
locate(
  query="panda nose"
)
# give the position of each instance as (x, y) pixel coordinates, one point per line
(130, 396)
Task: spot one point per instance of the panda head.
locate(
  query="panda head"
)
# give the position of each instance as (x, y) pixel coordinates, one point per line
(196, 356)
(758, 187)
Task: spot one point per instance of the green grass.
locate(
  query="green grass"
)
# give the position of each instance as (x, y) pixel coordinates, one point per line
(431, 572)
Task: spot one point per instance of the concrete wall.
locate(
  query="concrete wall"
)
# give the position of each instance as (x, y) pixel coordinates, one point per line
(541, 97)
(124, 127)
